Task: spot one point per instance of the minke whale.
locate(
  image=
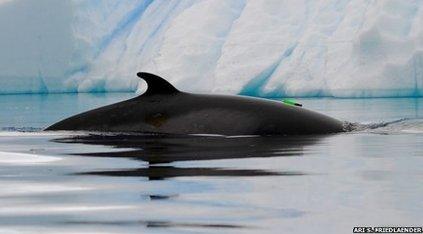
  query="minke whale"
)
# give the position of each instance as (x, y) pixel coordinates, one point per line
(163, 109)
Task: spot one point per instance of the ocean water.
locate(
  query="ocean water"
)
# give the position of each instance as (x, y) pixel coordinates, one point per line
(88, 183)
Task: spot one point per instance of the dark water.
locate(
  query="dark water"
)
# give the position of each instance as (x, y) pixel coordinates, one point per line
(92, 183)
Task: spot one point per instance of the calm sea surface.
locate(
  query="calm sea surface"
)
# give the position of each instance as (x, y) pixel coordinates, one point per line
(80, 183)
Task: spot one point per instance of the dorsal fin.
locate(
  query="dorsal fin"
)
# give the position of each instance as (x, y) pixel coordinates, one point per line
(156, 84)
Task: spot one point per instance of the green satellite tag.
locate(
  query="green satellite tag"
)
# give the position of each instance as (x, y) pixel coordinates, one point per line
(291, 102)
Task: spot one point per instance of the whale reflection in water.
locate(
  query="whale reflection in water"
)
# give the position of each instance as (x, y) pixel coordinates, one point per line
(162, 149)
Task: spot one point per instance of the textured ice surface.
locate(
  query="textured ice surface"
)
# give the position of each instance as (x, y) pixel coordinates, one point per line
(342, 48)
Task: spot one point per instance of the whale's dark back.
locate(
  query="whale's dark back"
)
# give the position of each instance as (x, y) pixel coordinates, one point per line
(164, 109)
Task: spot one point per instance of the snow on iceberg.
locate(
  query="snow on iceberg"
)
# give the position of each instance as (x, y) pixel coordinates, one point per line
(341, 48)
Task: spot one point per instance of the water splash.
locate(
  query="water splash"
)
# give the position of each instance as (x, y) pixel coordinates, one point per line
(404, 125)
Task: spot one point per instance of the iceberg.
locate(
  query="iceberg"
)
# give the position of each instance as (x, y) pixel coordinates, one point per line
(268, 48)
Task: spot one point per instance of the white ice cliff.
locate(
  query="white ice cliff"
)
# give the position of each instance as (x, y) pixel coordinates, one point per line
(340, 48)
